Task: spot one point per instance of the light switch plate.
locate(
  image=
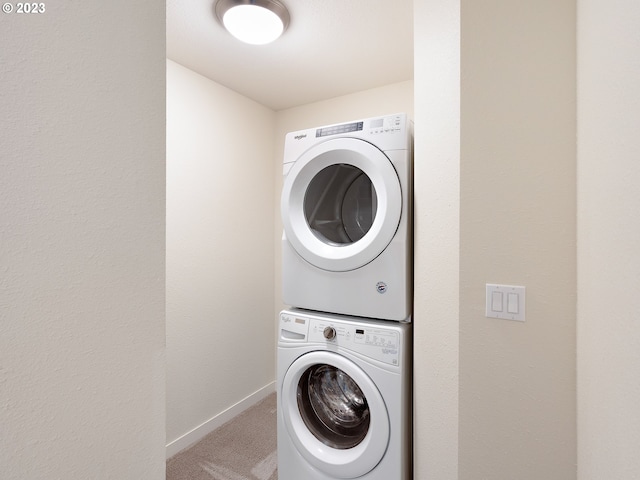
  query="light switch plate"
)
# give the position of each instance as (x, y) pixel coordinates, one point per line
(505, 301)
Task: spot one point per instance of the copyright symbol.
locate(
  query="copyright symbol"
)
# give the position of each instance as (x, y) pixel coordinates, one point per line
(7, 8)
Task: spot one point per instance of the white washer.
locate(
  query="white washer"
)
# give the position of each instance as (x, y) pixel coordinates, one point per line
(347, 218)
(344, 398)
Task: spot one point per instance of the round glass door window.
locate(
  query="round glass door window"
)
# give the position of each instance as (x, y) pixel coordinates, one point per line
(340, 204)
(333, 407)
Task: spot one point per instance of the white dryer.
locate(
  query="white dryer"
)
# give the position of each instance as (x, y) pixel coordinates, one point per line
(347, 218)
(344, 398)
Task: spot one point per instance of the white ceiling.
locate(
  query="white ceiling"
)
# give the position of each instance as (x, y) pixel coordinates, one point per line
(331, 48)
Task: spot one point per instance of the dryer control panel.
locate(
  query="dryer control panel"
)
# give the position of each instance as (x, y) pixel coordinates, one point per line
(390, 124)
(388, 132)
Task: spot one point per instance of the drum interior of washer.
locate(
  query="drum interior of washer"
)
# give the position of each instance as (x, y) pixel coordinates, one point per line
(333, 407)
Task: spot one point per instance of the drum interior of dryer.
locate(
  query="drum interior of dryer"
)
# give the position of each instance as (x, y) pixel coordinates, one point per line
(340, 204)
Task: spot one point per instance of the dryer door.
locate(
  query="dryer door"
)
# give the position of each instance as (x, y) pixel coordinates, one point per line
(341, 204)
(334, 414)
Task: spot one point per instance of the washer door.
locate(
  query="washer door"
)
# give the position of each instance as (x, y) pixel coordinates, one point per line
(334, 415)
(341, 204)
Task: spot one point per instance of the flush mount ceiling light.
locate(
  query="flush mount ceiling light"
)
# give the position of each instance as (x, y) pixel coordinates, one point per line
(253, 21)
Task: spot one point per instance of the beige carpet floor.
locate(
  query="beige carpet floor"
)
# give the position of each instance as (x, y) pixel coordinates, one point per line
(242, 449)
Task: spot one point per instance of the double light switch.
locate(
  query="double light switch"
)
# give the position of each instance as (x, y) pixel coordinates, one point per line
(505, 301)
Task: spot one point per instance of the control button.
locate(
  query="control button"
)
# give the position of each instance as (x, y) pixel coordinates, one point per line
(512, 303)
(496, 301)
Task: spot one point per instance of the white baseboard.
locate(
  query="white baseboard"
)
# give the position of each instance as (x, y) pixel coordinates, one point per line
(210, 425)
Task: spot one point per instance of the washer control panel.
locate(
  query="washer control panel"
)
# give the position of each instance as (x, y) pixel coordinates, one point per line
(373, 339)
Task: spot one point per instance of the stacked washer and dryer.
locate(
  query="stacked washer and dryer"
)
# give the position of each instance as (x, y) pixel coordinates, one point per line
(344, 368)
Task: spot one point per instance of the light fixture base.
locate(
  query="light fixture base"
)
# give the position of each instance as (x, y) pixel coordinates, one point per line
(229, 13)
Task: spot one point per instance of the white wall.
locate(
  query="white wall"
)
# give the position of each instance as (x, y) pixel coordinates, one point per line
(496, 179)
(518, 227)
(436, 237)
(389, 99)
(608, 239)
(220, 229)
(82, 242)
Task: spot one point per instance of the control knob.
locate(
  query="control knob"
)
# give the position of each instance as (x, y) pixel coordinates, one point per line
(329, 333)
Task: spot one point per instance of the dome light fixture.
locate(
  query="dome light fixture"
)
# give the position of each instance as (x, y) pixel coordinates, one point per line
(256, 22)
